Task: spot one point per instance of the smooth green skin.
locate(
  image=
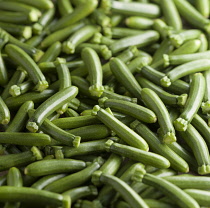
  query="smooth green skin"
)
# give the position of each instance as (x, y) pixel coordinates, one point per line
(203, 7)
(41, 4)
(202, 197)
(177, 39)
(189, 13)
(3, 180)
(87, 203)
(101, 18)
(36, 97)
(45, 180)
(122, 32)
(25, 61)
(142, 156)
(83, 86)
(71, 113)
(205, 105)
(204, 43)
(59, 134)
(47, 167)
(102, 50)
(81, 35)
(14, 177)
(16, 160)
(189, 47)
(16, 90)
(152, 100)
(30, 195)
(73, 180)
(177, 87)
(112, 164)
(4, 112)
(51, 104)
(61, 34)
(17, 30)
(193, 103)
(139, 187)
(125, 77)
(112, 95)
(32, 51)
(199, 148)
(44, 20)
(64, 79)
(81, 72)
(65, 7)
(75, 122)
(128, 194)
(184, 70)
(125, 173)
(93, 64)
(143, 59)
(85, 148)
(203, 128)
(152, 203)
(171, 14)
(91, 132)
(170, 190)
(17, 78)
(163, 29)
(18, 7)
(35, 40)
(166, 97)
(184, 154)
(139, 22)
(152, 193)
(3, 73)
(135, 8)
(184, 58)
(47, 67)
(165, 48)
(137, 111)
(177, 163)
(15, 17)
(81, 192)
(20, 119)
(140, 40)
(80, 12)
(116, 19)
(125, 56)
(133, 172)
(29, 139)
(190, 181)
(51, 53)
(123, 131)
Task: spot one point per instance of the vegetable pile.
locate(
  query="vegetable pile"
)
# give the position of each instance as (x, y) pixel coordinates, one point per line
(104, 103)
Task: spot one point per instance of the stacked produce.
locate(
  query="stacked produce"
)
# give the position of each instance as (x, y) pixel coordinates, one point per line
(104, 103)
